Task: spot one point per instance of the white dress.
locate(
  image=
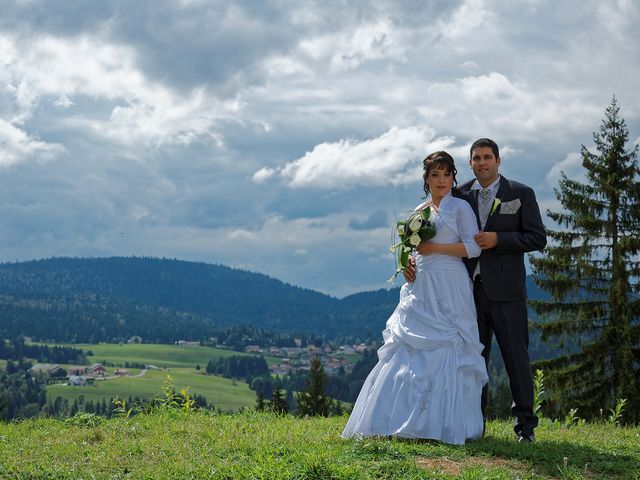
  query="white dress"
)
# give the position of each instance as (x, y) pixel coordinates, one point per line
(429, 377)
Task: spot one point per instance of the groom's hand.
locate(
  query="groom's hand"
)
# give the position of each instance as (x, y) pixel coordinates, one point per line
(486, 240)
(410, 272)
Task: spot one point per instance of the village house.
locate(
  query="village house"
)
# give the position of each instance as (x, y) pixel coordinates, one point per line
(292, 351)
(253, 349)
(77, 381)
(97, 370)
(121, 372)
(49, 369)
(347, 350)
(77, 370)
(187, 343)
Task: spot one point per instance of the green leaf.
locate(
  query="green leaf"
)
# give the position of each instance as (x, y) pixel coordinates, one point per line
(403, 258)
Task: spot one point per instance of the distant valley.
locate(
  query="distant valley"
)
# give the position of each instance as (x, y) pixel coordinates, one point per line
(95, 300)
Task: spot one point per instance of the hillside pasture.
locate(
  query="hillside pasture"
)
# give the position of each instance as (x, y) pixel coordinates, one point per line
(166, 356)
(221, 392)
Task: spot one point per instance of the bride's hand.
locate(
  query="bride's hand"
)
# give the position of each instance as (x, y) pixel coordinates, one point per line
(410, 272)
(425, 248)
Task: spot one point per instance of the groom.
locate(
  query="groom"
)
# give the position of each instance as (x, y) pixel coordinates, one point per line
(511, 225)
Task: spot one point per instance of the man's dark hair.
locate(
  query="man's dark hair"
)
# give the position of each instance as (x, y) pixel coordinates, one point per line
(485, 142)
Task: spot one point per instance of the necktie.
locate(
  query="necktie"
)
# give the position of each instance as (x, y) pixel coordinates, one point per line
(484, 205)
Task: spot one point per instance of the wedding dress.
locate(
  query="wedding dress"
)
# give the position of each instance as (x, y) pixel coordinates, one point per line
(429, 377)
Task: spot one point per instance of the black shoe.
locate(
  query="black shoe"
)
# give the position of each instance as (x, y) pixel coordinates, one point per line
(526, 438)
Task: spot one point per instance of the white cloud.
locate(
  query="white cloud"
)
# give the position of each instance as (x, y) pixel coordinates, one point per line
(346, 50)
(17, 146)
(63, 102)
(618, 16)
(470, 16)
(493, 104)
(263, 174)
(281, 66)
(144, 111)
(571, 166)
(242, 234)
(469, 65)
(390, 159)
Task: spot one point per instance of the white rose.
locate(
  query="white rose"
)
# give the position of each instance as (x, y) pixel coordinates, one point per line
(415, 223)
(415, 240)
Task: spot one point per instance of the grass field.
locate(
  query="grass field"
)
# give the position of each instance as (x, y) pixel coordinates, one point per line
(181, 362)
(223, 393)
(250, 445)
(168, 356)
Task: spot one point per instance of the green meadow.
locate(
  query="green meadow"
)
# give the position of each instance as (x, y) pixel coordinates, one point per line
(175, 360)
(168, 356)
(223, 393)
(252, 445)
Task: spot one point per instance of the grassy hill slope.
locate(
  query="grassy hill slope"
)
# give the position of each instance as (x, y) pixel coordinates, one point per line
(173, 444)
(178, 361)
(221, 392)
(168, 356)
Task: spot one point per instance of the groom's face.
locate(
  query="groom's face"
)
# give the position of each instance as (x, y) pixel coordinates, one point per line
(484, 165)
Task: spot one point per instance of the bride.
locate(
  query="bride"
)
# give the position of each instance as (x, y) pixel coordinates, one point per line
(430, 374)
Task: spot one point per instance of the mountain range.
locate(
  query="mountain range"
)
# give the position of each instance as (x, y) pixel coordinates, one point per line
(164, 300)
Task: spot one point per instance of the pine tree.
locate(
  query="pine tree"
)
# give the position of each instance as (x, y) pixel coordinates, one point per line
(313, 401)
(591, 270)
(291, 401)
(277, 403)
(4, 404)
(259, 402)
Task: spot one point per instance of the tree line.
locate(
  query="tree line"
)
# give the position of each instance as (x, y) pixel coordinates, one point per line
(17, 349)
(22, 395)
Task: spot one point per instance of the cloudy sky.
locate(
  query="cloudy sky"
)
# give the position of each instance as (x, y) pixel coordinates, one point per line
(285, 137)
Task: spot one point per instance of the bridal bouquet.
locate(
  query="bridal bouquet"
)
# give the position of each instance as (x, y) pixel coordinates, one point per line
(411, 230)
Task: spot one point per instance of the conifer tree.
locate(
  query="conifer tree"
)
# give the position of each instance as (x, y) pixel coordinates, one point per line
(4, 404)
(314, 401)
(591, 270)
(290, 400)
(259, 402)
(277, 403)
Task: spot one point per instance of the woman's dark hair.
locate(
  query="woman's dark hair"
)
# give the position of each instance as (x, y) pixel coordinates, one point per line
(436, 161)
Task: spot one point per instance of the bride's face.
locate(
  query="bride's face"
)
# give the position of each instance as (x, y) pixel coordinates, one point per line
(440, 182)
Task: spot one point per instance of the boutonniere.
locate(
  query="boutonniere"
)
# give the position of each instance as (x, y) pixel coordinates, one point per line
(496, 204)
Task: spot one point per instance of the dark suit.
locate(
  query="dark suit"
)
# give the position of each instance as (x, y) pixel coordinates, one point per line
(500, 291)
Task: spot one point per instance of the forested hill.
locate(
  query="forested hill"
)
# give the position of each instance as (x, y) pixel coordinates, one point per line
(102, 299)
(112, 299)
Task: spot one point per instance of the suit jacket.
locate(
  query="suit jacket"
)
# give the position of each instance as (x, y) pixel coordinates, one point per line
(518, 223)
